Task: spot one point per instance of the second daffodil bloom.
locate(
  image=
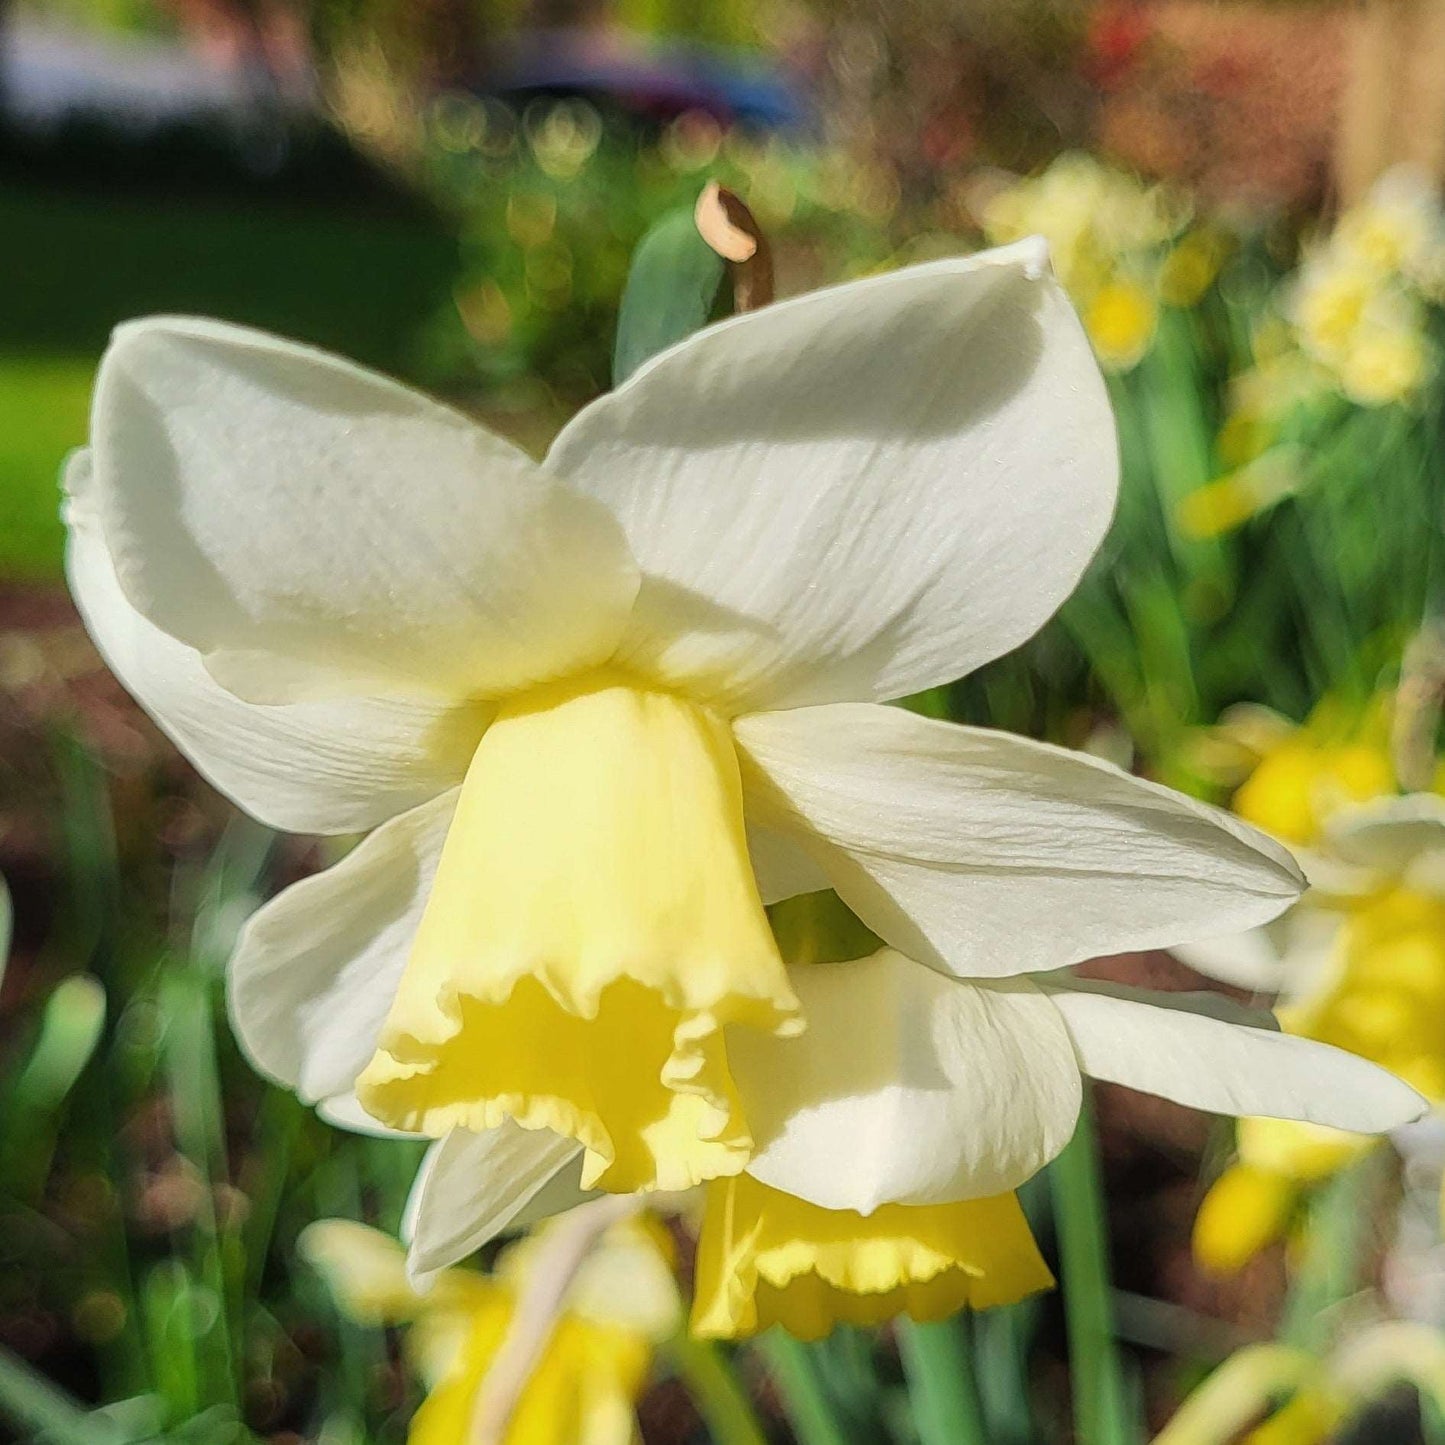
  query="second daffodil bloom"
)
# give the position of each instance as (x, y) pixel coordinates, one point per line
(600, 710)
(589, 1360)
(1360, 963)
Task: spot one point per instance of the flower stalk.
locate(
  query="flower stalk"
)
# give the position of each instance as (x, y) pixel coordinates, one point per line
(1101, 1412)
(938, 1360)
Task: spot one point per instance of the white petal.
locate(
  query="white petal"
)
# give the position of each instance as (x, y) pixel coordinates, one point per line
(987, 854)
(316, 767)
(1252, 959)
(314, 529)
(1393, 838)
(1289, 956)
(860, 492)
(907, 1087)
(314, 971)
(781, 867)
(473, 1187)
(1156, 1043)
(344, 1111)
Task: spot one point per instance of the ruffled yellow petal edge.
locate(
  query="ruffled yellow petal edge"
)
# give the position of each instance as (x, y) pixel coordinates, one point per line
(765, 1258)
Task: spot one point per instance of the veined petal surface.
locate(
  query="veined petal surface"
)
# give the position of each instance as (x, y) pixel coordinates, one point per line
(907, 1086)
(315, 767)
(315, 970)
(860, 492)
(314, 530)
(472, 1187)
(1160, 1044)
(987, 854)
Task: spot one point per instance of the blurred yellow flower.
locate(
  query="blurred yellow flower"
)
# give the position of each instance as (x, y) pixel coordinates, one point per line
(1192, 265)
(1384, 364)
(1226, 503)
(594, 1355)
(1360, 960)
(1358, 299)
(1307, 1397)
(1397, 228)
(1306, 774)
(1120, 320)
(1330, 305)
(1107, 232)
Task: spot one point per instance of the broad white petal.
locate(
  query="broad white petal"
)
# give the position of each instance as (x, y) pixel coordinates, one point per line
(988, 854)
(907, 1087)
(315, 970)
(314, 767)
(313, 529)
(1158, 1043)
(473, 1187)
(860, 492)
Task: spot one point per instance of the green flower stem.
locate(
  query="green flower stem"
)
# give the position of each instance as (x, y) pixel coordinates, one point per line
(938, 1360)
(716, 1391)
(1336, 1249)
(810, 1410)
(1101, 1413)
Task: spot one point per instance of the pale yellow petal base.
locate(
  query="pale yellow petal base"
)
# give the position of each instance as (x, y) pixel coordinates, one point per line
(766, 1258)
(593, 926)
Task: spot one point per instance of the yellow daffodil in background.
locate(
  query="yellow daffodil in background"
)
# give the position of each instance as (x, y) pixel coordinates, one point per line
(1109, 236)
(599, 711)
(590, 1354)
(1359, 962)
(1306, 1398)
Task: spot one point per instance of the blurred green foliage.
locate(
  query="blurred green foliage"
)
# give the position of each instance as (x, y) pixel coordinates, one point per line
(76, 265)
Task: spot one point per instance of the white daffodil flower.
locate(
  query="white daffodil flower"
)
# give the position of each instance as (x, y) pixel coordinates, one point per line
(601, 710)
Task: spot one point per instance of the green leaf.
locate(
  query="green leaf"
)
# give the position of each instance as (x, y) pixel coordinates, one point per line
(70, 1028)
(671, 289)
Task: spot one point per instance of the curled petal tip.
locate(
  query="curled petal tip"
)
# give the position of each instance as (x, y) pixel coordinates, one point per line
(1035, 259)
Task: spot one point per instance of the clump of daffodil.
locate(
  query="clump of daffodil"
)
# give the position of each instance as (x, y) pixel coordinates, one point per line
(1291, 1396)
(599, 711)
(584, 1359)
(1110, 237)
(1366, 329)
(1359, 962)
(1358, 304)
(1352, 322)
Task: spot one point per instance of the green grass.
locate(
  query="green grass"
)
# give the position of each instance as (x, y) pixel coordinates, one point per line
(363, 285)
(44, 402)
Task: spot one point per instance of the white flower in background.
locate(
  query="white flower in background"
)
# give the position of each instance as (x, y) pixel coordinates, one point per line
(1398, 229)
(600, 710)
(1358, 302)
